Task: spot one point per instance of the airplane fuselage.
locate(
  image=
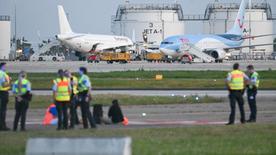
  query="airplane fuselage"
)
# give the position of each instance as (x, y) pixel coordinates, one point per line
(175, 45)
(85, 42)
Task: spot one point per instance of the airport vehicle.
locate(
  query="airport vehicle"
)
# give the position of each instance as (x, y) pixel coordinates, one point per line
(186, 58)
(88, 43)
(93, 58)
(210, 47)
(48, 57)
(154, 57)
(111, 57)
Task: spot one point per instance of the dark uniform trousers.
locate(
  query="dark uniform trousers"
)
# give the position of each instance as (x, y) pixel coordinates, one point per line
(4, 99)
(62, 107)
(20, 113)
(236, 96)
(85, 111)
(251, 97)
(73, 111)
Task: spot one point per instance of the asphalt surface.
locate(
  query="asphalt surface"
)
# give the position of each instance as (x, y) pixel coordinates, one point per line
(133, 66)
(213, 93)
(178, 115)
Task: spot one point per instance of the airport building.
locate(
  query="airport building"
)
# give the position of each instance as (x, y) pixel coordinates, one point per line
(161, 20)
(5, 37)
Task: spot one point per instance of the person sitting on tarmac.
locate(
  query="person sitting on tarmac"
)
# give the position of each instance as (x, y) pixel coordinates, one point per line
(115, 113)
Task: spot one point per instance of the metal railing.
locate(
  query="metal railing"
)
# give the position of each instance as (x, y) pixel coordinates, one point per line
(5, 18)
(194, 17)
(177, 7)
(235, 6)
(273, 16)
(128, 7)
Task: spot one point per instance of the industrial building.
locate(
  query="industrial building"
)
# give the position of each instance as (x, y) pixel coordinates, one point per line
(5, 37)
(159, 21)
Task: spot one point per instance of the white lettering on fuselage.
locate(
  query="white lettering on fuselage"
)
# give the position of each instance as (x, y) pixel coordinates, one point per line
(121, 39)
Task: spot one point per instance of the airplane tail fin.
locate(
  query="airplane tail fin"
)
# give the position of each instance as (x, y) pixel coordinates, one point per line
(64, 25)
(238, 27)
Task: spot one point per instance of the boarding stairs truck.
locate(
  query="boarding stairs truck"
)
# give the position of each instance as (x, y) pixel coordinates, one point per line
(44, 54)
(193, 50)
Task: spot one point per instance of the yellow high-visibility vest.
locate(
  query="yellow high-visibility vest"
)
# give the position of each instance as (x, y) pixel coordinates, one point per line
(75, 85)
(81, 86)
(237, 80)
(7, 84)
(24, 86)
(255, 75)
(62, 92)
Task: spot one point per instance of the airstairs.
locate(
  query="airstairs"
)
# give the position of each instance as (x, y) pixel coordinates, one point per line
(193, 50)
(46, 47)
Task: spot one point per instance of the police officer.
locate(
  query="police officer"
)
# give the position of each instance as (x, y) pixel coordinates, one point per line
(22, 91)
(235, 83)
(5, 82)
(252, 88)
(84, 87)
(61, 94)
(73, 98)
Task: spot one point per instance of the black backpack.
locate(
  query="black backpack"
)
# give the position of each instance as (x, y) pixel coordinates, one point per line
(98, 113)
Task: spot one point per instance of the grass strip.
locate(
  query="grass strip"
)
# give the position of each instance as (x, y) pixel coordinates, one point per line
(249, 139)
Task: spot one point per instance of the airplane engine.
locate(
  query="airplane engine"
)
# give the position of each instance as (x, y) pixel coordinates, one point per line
(218, 54)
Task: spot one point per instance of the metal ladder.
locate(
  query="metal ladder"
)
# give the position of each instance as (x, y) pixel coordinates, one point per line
(193, 50)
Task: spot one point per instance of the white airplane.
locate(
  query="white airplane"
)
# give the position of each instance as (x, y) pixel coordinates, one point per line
(87, 43)
(215, 45)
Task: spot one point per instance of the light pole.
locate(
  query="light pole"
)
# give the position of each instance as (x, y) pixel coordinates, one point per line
(250, 7)
(15, 19)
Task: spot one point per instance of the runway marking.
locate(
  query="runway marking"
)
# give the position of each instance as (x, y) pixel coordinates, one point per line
(179, 122)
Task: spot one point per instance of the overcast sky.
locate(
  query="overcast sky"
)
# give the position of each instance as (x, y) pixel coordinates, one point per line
(89, 16)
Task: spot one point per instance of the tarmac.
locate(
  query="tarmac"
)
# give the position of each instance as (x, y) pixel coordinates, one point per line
(49, 67)
(213, 93)
(177, 115)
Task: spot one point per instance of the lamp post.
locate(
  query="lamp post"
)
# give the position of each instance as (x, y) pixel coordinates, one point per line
(15, 19)
(250, 7)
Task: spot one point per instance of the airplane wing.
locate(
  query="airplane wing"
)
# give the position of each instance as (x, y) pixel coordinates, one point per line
(257, 36)
(248, 46)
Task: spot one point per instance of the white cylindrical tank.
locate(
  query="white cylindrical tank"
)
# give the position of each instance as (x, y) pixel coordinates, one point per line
(5, 37)
(158, 21)
(222, 17)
